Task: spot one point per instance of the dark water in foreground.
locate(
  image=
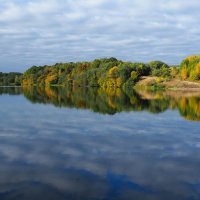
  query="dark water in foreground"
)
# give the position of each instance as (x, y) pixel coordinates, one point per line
(99, 145)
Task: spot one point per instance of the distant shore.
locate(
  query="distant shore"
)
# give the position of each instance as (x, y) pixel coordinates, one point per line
(112, 73)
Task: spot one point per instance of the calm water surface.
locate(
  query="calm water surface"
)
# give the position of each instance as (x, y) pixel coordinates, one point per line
(63, 144)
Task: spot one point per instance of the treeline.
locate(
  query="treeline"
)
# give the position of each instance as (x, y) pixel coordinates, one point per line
(10, 79)
(107, 72)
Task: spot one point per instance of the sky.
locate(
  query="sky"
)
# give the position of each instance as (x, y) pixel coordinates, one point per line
(39, 32)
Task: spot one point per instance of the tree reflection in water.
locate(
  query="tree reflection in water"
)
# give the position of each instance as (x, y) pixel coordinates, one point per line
(111, 101)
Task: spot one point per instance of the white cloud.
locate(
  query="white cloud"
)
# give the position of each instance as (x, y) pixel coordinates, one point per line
(137, 30)
(10, 12)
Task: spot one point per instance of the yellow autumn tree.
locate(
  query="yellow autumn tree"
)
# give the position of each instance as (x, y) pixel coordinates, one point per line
(190, 68)
(184, 73)
(114, 79)
(51, 79)
(195, 73)
(113, 72)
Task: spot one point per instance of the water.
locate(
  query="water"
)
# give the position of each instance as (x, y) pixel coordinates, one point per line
(57, 143)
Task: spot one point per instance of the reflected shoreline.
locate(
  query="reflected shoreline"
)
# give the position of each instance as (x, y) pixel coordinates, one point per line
(112, 101)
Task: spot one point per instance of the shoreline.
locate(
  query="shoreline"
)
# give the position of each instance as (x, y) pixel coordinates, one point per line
(175, 84)
(146, 83)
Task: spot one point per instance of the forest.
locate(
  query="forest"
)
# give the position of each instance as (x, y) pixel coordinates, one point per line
(110, 72)
(107, 72)
(103, 73)
(10, 79)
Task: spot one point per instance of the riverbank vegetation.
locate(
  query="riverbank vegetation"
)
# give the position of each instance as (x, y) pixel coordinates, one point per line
(109, 73)
(190, 68)
(10, 79)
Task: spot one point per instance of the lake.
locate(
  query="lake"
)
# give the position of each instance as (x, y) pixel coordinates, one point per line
(94, 144)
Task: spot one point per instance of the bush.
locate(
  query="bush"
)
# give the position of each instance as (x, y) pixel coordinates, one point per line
(190, 68)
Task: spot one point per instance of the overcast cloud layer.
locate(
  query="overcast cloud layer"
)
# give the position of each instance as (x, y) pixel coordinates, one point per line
(38, 32)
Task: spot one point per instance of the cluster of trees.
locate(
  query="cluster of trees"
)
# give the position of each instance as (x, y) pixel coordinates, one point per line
(107, 72)
(190, 68)
(104, 73)
(10, 79)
